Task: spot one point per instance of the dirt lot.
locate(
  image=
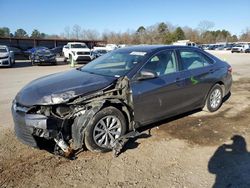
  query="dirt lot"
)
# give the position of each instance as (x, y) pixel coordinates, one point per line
(194, 150)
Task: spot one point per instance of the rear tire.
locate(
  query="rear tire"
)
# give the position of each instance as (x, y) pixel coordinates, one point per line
(108, 124)
(214, 99)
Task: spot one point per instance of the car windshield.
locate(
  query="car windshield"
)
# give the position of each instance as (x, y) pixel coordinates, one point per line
(78, 46)
(114, 64)
(43, 52)
(3, 50)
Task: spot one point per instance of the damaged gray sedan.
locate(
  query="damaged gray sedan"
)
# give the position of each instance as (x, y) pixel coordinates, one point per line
(95, 105)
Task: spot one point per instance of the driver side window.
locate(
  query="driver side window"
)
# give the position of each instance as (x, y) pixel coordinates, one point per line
(162, 63)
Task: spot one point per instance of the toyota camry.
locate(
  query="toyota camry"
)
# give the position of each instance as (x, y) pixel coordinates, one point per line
(117, 93)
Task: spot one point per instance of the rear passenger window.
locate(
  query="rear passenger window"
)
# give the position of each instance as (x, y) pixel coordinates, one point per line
(193, 60)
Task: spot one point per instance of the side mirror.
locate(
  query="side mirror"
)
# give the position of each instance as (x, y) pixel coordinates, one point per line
(146, 74)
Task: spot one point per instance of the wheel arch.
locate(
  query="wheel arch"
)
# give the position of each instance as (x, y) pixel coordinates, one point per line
(216, 83)
(222, 85)
(125, 110)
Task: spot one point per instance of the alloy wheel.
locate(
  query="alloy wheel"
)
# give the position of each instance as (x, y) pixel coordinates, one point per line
(107, 130)
(215, 98)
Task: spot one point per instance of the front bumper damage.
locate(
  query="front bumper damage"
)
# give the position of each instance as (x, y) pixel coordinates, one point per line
(65, 121)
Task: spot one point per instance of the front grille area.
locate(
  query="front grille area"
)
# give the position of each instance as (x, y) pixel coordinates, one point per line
(83, 53)
(83, 58)
(6, 62)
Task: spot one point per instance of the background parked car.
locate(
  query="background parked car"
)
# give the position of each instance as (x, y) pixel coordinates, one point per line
(43, 56)
(78, 52)
(58, 51)
(229, 47)
(220, 47)
(18, 53)
(110, 47)
(240, 48)
(29, 52)
(211, 47)
(99, 52)
(247, 50)
(7, 58)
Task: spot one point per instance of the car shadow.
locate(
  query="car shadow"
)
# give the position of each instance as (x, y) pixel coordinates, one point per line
(22, 64)
(58, 63)
(231, 164)
(132, 142)
(167, 120)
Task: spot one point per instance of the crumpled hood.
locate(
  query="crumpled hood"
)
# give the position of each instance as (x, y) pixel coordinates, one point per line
(59, 87)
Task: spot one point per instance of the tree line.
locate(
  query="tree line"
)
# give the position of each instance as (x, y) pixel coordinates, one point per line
(160, 33)
(21, 33)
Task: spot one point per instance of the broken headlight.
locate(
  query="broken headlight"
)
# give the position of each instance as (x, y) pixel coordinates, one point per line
(59, 98)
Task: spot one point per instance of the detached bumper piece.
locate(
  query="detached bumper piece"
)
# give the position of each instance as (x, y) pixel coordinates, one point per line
(119, 143)
(30, 127)
(23, 132)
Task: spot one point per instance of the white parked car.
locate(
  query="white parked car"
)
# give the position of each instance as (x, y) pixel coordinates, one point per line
(122, 45)
(240, 48)
(184, 43)
(110, 47)
(77, 51)
(6, 56)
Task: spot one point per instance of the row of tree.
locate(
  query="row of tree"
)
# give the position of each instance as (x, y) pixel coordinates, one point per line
(21, 33)
(161, 33)
(166, 33)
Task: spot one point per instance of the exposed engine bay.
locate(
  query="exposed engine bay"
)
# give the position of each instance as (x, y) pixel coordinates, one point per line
(65, 121)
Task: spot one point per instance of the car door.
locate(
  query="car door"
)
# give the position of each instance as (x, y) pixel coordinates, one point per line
(161, 96)
(198, 70)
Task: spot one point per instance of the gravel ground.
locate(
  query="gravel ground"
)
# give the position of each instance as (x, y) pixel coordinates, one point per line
(197, 149)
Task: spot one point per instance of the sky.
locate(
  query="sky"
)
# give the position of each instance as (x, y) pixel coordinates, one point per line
(52, 16)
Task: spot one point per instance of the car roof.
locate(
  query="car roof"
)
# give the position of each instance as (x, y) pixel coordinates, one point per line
(153, 48)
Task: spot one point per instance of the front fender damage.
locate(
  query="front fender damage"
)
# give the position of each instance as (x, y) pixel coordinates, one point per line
(118, 93)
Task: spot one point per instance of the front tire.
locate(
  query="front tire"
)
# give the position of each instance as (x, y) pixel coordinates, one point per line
(214, 99)
(107, 125)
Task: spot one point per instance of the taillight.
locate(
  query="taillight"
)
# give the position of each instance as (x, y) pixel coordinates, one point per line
(230, 69)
